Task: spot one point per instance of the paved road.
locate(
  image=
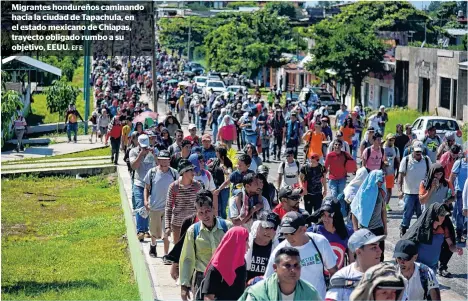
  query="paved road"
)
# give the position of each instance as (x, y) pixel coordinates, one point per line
(452, 289)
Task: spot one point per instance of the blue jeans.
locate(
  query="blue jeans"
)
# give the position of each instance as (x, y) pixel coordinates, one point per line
(72, 127)
(336, 186)
(458, 217)
(141, 223)
(223, 199)
(214, 127)
(412, 205)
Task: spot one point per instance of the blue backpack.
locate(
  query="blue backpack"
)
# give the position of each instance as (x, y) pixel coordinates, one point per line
(196, 227)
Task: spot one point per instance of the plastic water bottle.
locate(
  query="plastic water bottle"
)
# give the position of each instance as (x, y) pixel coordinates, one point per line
(401, 204)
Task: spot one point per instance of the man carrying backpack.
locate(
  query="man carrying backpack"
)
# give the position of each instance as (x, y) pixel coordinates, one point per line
(200, 242)
(179, 200)
(422, 283)
(374, 156)
(413, 170)
(157, 182)
(288, 170)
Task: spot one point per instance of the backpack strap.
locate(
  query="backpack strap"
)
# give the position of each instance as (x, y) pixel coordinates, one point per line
(196, 230)
(327, 279)
(175, 191)
(298, 167)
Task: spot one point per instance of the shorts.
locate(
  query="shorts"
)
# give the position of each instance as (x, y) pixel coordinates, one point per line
(389, 181)
(94, 129)
(155, 223)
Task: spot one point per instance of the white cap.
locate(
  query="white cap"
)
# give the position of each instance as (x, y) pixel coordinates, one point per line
(382, 107)
(143, 140)
(192, 126)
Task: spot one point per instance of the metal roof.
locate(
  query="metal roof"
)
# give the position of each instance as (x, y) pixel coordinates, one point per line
(457, 31)
(33, 63)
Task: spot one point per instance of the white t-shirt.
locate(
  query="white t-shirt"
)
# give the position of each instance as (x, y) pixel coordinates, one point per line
(414, 175)
(413, 287)
(287, 297)
(291, 173)
(312, 267)
(342, 294)
(207, 181)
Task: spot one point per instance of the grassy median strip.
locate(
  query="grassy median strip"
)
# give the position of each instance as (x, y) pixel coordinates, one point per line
(96, 152)
(63, 240)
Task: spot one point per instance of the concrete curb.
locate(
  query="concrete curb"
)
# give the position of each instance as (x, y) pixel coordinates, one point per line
(61, 171)
(140, 266)
(42, 160)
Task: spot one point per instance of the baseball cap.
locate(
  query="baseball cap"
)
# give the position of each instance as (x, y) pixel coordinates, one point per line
(418, 146)
(405, 249)
(164, 155)
(390, 136)
(271, 220)
(263, 170)
(363, 237)
(206, 137)
(450, 135)
(315, 156)
(191, 126)
(370, 129)
(382, 107)
(291, 222)
(290, 193)
(143, 140)
(184, 166)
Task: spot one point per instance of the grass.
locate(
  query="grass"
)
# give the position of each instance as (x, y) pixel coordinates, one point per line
(97, 152)
(64, 242)
(78, 75)
(400, 116)
(41, 115)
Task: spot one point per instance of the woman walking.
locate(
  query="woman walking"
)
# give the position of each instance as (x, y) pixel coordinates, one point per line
(225, 275)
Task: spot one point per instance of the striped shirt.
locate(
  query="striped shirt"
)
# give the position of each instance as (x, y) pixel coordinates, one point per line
(180, 203)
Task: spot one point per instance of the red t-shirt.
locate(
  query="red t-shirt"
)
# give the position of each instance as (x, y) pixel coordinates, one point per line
(335, 164)
(279, 210)
(194, 140)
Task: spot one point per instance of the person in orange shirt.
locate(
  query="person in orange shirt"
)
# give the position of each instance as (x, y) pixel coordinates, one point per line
(314, 139)
(348, 131)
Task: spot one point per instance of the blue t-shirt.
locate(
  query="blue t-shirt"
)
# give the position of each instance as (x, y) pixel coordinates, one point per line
(338, 244)
(460, 168)
(209, 153)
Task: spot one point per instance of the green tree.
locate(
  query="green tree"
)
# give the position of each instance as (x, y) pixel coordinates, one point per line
(10, 101)
(285, 9)
(60, 95)
(390, 16)
(352, 51)
(237, 4)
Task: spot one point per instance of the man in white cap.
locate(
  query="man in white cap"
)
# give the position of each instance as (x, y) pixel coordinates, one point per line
(157, 181)
(193, 135)
(413, 169)
(142, 159)
(365, 246)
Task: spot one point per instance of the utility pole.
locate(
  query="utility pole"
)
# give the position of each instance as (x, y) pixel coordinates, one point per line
(189, 37)
(153, 59)
(86, 79)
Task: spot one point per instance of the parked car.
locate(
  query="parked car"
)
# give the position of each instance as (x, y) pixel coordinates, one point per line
(201, 81)
(216, 85)
(329, 100)
(233, 89)
(215, 75)
(442, 124)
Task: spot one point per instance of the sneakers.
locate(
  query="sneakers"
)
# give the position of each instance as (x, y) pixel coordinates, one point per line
(388, 207)
(445, 273)
(152, 251)
(166, 260)
(141, 236)
(147, 235)
(402, 231)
